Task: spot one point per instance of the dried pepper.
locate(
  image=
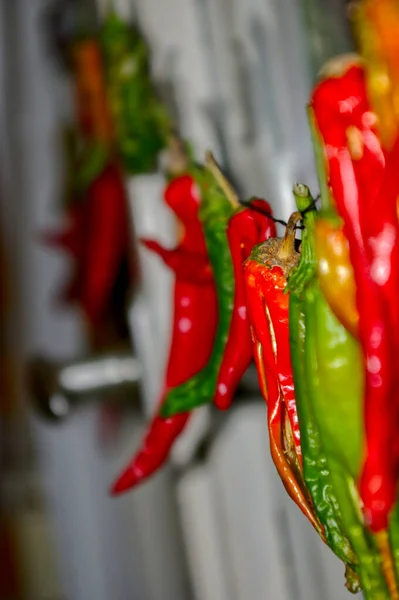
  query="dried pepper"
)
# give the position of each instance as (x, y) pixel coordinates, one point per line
(266, 272)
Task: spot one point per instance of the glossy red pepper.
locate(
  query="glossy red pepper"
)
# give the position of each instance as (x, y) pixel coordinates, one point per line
(364, 191)
(265, 283)
(245, 229)
(194, 326)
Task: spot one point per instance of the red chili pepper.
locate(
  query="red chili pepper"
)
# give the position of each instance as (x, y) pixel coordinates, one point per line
(364, 190)
(265, 283)
(245, 229)
(187, 266)
(97, 238)
(378, 484)
(106, 230)
(194, 326)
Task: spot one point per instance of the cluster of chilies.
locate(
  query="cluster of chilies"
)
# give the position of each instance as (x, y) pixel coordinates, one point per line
(320, 320)
(120, 127)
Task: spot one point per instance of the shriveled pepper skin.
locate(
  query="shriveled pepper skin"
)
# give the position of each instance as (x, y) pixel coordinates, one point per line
(316, 469)
(246, 228)
(268, 315)
(215, 211)
(193, 329)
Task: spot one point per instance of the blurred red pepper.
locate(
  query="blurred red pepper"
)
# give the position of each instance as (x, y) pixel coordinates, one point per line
(107, 241)
(97, 236)
(91, 101)
(194, 326)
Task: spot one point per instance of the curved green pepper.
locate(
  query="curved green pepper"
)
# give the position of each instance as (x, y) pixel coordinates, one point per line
(214, 213)
(315, 466)
(335, 379)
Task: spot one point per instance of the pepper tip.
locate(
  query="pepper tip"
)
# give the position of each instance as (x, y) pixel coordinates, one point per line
(124, 483)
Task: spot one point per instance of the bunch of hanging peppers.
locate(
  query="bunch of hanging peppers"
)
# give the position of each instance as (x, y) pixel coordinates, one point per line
(210, 348)
(96, 229)
(120, 126)
(318, 315)
(324, 325)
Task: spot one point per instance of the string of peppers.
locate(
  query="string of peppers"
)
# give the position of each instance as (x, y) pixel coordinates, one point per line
(120, 127)
(321, 321)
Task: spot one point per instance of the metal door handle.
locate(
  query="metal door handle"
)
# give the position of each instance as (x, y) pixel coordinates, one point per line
(57, 387)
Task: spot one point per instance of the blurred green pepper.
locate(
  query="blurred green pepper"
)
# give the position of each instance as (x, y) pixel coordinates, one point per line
(142, 125)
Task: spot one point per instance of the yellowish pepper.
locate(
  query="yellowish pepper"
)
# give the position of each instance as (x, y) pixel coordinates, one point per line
(335, 271)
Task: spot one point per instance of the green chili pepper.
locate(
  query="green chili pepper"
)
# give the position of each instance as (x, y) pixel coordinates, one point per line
(214, 213)
(335, 380)
(315, 467)
(394, 537)
(142, 124)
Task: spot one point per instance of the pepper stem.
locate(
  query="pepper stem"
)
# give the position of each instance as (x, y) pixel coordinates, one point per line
(177, 160)
(320, 160)
(287, 247)
(388, 566)
(221, 179)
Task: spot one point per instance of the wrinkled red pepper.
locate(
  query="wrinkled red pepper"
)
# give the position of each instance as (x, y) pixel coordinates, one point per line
(364, 186)
(246, 228)
(194, 326)
(266, 273)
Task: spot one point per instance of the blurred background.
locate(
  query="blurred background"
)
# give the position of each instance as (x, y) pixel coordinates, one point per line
(215, 524)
